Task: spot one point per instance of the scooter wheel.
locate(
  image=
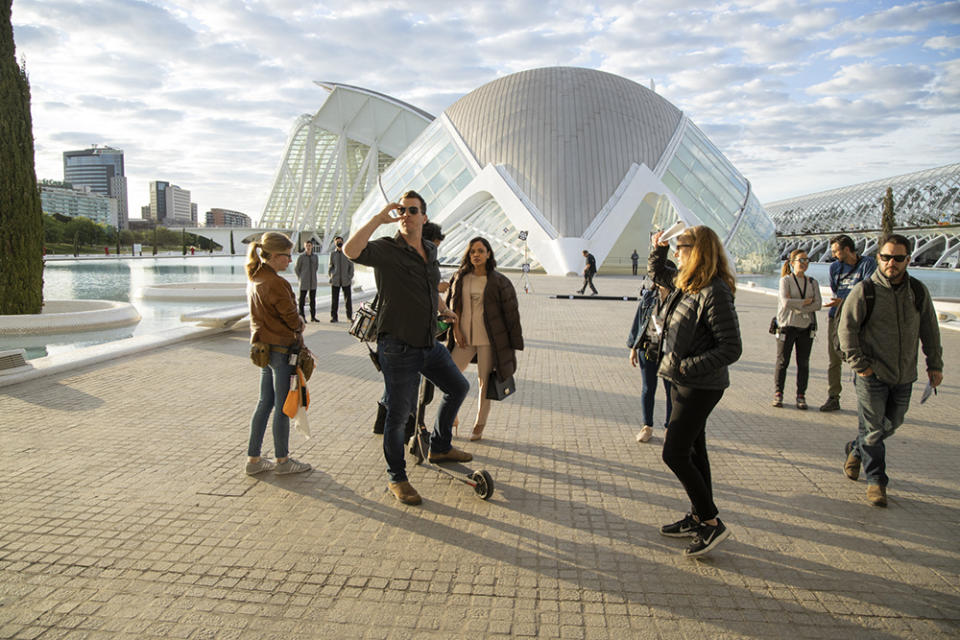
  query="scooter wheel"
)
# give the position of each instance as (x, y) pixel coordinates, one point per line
(484, 486)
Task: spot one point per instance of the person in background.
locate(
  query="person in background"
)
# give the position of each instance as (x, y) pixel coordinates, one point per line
(275, 321)
(634, 261)
(644, 343)
(797, 307)
(700, 339)
(845, 272)
(488, 327)
(306, 269)
(340, 271)
(589, 270)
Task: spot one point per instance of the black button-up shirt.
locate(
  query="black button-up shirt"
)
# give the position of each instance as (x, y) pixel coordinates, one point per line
(407, 289)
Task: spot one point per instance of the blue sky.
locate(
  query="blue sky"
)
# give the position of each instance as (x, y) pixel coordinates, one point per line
(800, 95)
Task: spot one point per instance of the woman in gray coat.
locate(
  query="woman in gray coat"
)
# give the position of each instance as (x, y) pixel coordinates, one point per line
(701, 337)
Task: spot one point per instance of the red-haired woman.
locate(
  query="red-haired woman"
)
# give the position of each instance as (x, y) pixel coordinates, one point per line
(701, 337)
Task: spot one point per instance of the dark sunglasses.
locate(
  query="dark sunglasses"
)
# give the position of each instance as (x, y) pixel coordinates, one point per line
(801, 259)
(411, 210)
(886, 257)
(684, 246)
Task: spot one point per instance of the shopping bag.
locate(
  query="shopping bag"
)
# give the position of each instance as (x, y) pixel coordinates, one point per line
(300, 421)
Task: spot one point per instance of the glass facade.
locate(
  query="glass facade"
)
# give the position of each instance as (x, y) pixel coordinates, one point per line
(706, 183)
(921, 199)
(490, 221)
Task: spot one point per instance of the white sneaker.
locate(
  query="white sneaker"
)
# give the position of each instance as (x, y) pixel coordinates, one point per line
(645, 433)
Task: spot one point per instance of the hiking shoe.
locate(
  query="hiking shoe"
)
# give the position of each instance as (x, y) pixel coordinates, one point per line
(777, 399)
(645, 433)
(404, 492)
(801, 403)
(291, 466)
(261, 465)
(832, 404)
(877, 495)
(684, 528)
(454, 455)
(707, 537)
(851, 468)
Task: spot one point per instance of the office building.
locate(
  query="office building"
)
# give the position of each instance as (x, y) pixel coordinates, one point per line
(66, 200)
(101, 169)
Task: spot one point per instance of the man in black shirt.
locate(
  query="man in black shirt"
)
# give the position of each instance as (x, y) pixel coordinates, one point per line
(407, 274)
(589, 270)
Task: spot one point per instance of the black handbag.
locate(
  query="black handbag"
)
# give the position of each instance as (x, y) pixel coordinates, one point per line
(499, 390)
(774, 328)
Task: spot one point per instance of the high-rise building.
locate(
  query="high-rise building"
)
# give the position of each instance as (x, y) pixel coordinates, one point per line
(227, 218)
(101, 169)
(170, 205)
(158, 201)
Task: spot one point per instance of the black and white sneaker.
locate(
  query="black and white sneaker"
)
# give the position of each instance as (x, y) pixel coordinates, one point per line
(707, 538)
(681, 528)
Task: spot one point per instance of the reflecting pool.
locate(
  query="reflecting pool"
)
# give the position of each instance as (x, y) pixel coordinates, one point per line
(123, 279)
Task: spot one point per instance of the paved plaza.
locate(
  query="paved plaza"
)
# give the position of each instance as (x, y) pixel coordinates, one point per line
(124, 511)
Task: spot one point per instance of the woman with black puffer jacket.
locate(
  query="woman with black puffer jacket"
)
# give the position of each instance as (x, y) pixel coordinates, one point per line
(701, 337)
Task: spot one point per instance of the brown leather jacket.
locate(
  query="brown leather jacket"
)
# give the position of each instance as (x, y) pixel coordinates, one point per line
(501, 318)
(274, 318)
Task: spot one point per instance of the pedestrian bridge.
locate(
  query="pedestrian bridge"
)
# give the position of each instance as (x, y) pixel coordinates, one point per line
(932, 246)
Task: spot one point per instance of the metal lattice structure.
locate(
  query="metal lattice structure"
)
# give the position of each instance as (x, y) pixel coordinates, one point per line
(921, 199)
(332, 159)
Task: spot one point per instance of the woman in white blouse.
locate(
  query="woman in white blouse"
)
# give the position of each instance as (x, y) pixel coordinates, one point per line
(799, 301)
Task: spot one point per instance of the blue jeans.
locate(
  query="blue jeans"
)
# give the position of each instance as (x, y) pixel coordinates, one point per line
(648, 390)
(402, 366)
(274, 386)
(879, 406)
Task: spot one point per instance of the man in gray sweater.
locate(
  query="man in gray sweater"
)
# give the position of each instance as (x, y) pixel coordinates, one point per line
(882, 322)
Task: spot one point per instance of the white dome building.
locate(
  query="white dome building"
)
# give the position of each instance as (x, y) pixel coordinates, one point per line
(578, 158)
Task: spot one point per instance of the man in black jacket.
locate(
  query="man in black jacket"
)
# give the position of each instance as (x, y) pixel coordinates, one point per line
(589, 269)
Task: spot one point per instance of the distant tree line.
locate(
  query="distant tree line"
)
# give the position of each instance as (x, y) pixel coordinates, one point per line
(63, 234)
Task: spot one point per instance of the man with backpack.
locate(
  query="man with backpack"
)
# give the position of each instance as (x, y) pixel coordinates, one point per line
(880, 325)
(845, 272)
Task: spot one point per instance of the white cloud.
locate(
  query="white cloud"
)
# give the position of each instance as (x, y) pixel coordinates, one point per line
(943, 43)
(867, 48)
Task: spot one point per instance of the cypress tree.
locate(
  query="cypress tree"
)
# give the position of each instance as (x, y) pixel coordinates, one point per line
(21, 214)
(233, 251)
(183, 240)
(154, 241)
(886, 221)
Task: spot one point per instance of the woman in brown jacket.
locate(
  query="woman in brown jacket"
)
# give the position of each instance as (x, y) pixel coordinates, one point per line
(275, 320)
(488, 328)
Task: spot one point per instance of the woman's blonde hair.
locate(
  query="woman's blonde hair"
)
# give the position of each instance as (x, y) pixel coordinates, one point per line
(787, 268)
(269, 243)
(706, 261)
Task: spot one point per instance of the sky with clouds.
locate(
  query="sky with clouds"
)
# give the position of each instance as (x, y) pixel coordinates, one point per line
(801, 95)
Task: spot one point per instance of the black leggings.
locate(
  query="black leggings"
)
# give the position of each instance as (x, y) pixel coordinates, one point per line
(685, 446)
(790, 336)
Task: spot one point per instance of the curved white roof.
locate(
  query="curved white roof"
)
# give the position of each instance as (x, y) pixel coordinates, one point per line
(567, 136)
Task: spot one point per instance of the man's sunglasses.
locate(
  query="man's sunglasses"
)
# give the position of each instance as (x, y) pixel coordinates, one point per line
(886, 257)
(411, 210)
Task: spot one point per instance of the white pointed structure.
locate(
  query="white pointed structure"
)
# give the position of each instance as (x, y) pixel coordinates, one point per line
(333, 158)
(581, 159)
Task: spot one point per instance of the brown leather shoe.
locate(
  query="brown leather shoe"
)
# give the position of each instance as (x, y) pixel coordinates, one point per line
(405, 492)
(851, 468)
(454, 455)
(877, 495)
